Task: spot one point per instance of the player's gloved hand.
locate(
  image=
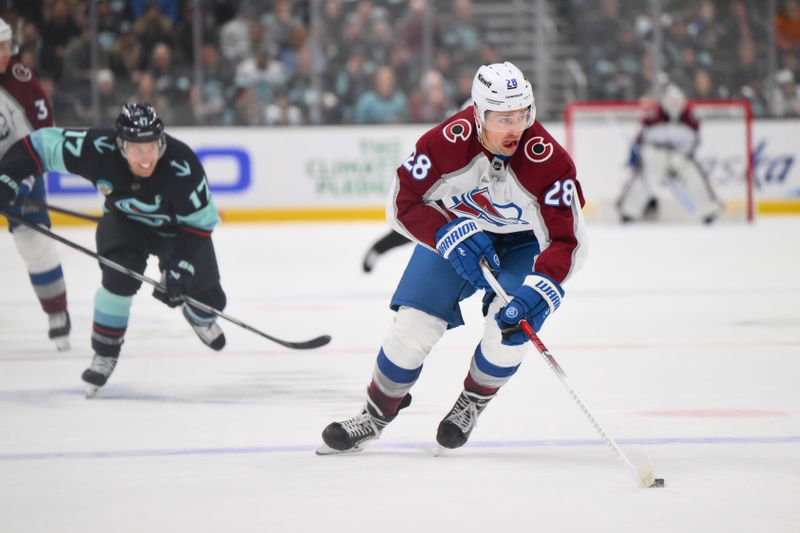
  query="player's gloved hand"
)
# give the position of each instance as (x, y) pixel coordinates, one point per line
(464, 244)
(533, 301)
(9, 189)
(178, 276)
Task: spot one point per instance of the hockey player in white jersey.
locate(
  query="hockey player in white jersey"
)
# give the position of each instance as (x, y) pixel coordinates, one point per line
(23, 108)
(489, 183)
(663, 159)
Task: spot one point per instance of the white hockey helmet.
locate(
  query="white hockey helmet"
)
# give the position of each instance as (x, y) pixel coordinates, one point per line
(5, 31)
(501, 87)
(673, 101)
(7, 35)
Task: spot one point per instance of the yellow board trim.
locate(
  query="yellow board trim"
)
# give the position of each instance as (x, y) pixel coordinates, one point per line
(310, 214)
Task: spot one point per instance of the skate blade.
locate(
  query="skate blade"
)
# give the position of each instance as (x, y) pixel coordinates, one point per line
(440, 450)
(62, 343)
(91, 390)
(324, 449)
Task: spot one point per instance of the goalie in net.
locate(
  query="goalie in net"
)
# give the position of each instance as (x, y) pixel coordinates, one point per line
(663, 157)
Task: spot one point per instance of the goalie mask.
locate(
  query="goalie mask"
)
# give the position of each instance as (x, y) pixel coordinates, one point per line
(502, 87)
(139, 123)
(673, 102)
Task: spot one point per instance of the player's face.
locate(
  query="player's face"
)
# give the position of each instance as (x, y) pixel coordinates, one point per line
(142, 157)
(5, 55)
(502, 130)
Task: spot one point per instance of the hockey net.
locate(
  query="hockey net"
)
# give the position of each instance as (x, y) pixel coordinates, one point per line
(599, 136)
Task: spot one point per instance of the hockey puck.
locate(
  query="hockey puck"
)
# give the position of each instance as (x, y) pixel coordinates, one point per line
(658, 483)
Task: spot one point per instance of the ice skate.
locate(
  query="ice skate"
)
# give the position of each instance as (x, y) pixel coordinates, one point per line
(60, 327)
(454, 430)
(353, 434)
(98, 373)
(211, 334)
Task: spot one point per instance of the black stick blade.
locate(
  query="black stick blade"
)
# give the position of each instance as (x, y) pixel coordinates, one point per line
(306, 345)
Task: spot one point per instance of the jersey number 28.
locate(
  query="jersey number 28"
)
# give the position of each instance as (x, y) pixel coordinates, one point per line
(561, 194)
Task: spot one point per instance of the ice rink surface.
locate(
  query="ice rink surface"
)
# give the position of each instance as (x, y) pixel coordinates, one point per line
(684, 341)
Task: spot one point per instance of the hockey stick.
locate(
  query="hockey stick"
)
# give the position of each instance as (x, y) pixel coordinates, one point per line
(303, 345)
(644, 474)
(49, 207)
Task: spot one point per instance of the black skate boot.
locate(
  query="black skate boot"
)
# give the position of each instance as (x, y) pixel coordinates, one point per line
(353, 434)
(98, 373)
(211, 334)
(59, 328)
(454, 430)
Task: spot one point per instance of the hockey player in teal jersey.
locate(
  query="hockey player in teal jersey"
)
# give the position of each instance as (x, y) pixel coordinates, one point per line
(157, 202)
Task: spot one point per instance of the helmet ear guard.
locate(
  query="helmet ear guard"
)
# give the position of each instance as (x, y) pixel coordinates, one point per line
(139, 123)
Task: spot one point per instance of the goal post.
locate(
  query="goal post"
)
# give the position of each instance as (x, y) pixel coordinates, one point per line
(599, 136)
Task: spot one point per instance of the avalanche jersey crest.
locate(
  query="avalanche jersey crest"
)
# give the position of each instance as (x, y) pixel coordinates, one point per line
(478, 204)
(20, 72)
(458, 129)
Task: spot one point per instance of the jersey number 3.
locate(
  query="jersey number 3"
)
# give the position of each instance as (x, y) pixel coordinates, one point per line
(561, 194)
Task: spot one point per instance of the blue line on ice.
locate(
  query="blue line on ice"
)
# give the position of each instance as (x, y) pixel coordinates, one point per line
(668, 441)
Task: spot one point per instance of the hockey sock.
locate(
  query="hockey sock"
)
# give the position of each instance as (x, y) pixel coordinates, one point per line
(111, 313)
(485, 377)
(50, 289)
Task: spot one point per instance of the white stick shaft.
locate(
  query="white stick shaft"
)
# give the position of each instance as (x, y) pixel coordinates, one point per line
(556, 368)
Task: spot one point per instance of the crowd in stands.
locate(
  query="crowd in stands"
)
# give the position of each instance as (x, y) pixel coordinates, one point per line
(366, 61)
(712, 49)
(258, 60)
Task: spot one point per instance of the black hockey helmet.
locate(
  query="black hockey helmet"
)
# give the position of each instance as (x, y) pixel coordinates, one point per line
(139, 123)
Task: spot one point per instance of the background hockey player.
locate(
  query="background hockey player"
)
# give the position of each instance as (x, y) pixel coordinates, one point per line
(23, 108)
(157, 201)
(663, 156)
(489, 182)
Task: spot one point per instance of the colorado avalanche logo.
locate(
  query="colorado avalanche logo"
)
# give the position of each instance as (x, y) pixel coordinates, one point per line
(478, 204)
(537, 150)
(458, 129)
(21, 72)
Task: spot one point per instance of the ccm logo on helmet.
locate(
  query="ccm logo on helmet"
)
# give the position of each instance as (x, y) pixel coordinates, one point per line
(458, 129)
(537, 150)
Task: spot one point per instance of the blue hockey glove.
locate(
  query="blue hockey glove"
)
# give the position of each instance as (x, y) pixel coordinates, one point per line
(9, 189)
(178, 277)
(464, 244)
(533, 301)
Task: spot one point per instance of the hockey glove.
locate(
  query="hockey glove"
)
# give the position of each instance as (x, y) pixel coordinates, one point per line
(178, 277)
(533, 301)
(464, 244)
(9, 189)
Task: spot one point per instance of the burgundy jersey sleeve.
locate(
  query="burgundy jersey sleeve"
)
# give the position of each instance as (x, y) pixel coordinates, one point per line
(26, 89)
(411, 207)
(548, 173)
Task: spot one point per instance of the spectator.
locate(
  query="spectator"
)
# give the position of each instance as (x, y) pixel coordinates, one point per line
(57, 30)
(127, 54)
(787, 26)
(246, 109)
(385, 104)
(152, 28)
(262, 73)
(234, 36)
(786, 100)
(430, 101)
(210, 100)
(146, 92)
